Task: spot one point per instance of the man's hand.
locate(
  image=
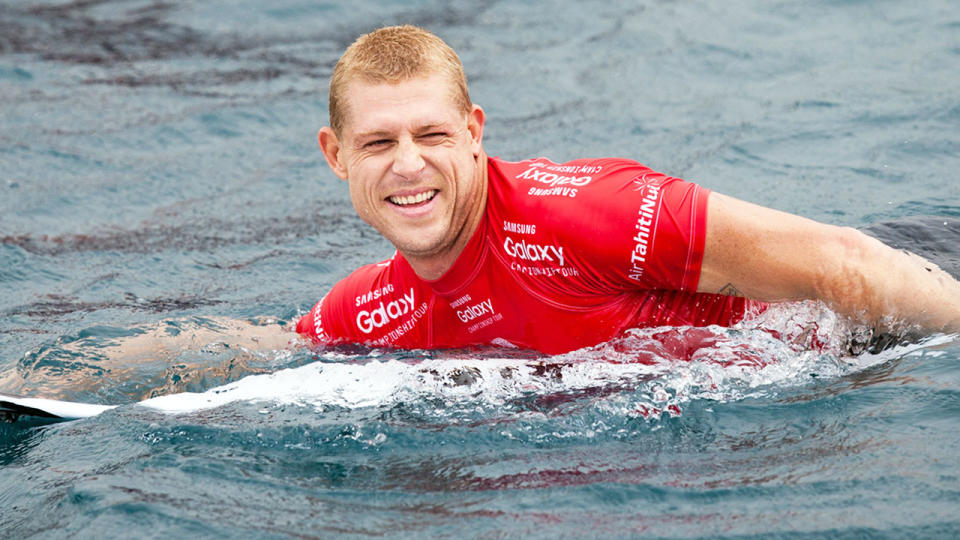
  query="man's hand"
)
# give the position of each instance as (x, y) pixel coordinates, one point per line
(774, 256)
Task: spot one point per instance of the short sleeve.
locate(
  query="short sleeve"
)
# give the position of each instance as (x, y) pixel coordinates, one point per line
(324, 324)
(639, 229)
(665, 249)
(374, 305)
(311, 324)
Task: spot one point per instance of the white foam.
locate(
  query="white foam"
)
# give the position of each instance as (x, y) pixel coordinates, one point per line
(646, 371)
(724, 371)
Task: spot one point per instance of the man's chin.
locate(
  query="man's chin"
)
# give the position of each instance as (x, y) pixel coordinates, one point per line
(418, 250)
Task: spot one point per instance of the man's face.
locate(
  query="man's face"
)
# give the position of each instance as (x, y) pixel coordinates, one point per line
(409, 154)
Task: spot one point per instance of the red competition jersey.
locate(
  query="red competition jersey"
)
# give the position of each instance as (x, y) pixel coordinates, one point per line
(566, 256)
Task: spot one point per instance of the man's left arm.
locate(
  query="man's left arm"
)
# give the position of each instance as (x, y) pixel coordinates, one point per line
(774, 256)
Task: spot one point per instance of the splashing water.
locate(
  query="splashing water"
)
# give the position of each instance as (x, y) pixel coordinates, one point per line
(646, 372)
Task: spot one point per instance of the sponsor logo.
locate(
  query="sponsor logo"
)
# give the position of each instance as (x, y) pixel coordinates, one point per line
(539, 271)
(537, 173)
(645, 226)
(481, 315)
(561, 191)
(533, 252)
(384, 313)
(644, 180)
(575, 169)
(405, 326)
(318, 320)
(485, 323)
(569, 169)
(460, 301)
(373, 295)
(476, 310)
(520, 228)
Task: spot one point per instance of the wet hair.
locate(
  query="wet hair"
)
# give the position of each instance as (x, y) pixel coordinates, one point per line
(391, 55)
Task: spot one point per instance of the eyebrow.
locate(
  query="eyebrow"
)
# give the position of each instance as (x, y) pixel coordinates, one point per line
(431, 127)
(377, 134)
(373, 134)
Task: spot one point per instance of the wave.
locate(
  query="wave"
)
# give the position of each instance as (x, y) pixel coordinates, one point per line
(645, 373)
(638, 374)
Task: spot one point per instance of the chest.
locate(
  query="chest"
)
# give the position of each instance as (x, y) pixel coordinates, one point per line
(530, 303)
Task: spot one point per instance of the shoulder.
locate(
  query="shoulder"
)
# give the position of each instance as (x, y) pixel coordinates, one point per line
(364, 284)
(541, 182)
(577, 192)
(594, 215)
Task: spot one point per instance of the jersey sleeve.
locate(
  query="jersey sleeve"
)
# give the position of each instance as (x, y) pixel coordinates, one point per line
(320, 324)
(375, 305)
(644, 230)
(332, 319)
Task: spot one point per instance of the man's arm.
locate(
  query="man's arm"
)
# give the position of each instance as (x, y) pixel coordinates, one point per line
(773, 256)
(158, 342)
(146, 353)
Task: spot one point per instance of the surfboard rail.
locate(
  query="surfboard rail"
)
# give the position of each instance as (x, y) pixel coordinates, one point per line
(14, 408)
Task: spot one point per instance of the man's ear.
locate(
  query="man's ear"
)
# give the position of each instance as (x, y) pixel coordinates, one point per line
(331, 148)
(475, 122)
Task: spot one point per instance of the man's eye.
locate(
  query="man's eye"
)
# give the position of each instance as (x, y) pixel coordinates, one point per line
(377, 143)
(434, 135)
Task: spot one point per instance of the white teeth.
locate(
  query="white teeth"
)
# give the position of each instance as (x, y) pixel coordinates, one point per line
(413, 199)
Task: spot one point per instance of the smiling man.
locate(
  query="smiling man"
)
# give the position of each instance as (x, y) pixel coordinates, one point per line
(414, 166)
(558, 256)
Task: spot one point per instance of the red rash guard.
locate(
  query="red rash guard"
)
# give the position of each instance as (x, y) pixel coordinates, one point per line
(566, 256)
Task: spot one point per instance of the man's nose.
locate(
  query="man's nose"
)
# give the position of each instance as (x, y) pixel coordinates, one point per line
(407, 162)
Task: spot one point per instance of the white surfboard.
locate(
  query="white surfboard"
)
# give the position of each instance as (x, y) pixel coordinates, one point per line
(370, 384)
(384, 383)
(352, 385)
(14, 408)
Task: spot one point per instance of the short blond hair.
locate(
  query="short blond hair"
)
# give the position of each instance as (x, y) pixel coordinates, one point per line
(391, 55)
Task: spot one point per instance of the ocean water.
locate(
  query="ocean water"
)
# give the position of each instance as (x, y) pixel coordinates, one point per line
(159, 178)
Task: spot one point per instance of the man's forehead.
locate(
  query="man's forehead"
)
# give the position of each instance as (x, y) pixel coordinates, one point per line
(426, 100)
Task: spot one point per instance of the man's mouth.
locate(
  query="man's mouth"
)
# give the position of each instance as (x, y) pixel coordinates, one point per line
(410, 200)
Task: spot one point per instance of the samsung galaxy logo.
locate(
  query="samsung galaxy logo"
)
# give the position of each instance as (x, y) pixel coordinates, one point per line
(476, 310)
(520, 228)
(385, 313)
(533, 252)
(460, 301)
(537, 174)
(373, 295)
(558, 191)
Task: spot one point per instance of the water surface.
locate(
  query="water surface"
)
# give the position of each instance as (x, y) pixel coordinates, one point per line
(160, 175)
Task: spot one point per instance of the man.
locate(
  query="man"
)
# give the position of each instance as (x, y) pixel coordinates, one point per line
(556, 257)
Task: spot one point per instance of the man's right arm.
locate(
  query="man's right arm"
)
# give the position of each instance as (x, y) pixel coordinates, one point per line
(774, 256)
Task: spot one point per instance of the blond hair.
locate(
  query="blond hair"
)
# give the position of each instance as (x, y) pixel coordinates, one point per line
(391, 55)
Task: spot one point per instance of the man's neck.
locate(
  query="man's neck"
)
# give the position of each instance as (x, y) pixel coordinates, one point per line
(435, 266)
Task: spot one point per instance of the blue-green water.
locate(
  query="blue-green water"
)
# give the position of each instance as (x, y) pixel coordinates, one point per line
(159, 172)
